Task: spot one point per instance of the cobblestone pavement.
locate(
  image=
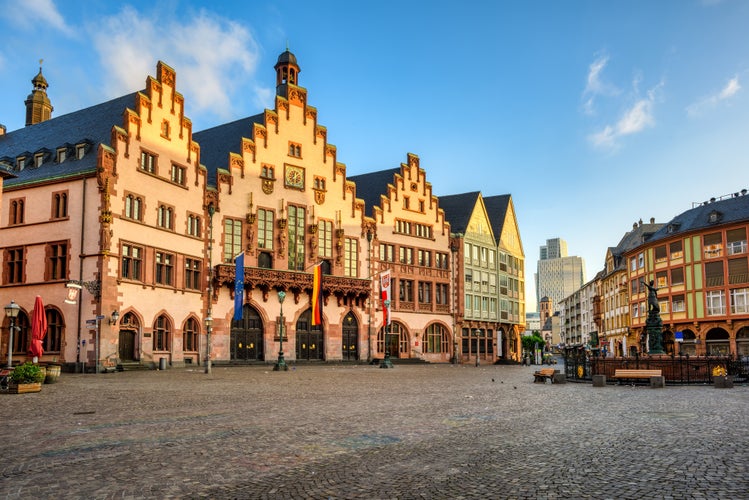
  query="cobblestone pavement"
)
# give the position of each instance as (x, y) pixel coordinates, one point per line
(329, 431)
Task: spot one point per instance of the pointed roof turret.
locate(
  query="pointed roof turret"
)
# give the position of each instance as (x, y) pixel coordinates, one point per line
(38, 106)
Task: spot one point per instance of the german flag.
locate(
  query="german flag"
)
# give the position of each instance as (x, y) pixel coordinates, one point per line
(317, 295)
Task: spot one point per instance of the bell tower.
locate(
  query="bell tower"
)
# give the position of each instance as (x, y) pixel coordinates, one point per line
(287, 72)
(38, 106)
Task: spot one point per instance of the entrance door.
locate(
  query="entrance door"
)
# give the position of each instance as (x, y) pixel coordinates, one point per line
(309, 339)
(127, 345)
(350, 341)
(247, 336)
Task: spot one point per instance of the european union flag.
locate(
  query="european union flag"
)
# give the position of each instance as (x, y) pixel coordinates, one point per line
(238, 286)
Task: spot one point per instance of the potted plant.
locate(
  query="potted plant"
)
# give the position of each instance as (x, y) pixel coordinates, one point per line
(24, 378)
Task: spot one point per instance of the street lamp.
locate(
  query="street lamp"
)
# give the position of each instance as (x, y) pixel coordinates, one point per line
(281, 363)
(477, 332)
(209, 318)
(371, 294)
(386, 363)
(11, 311)
(454, 247)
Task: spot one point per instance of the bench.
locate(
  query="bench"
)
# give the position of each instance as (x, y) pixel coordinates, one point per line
(544, 373)
(654, 376)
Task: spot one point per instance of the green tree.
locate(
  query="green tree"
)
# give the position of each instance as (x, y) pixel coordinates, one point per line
(529, 342)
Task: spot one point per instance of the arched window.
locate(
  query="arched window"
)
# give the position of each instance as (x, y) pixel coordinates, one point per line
(190, 336)
(55, 328)
(436, 339)
(21, 335)
(161, 334)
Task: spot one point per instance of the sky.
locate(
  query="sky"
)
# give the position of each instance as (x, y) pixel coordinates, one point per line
(593, 115)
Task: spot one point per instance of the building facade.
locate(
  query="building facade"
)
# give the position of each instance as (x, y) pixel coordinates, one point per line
(558, 275)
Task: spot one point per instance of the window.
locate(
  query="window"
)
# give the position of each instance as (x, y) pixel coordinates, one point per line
(676, 250)
(57, 261)
(440, 260)
(351, 258)
(132, 262)
(20, 164)
(716, 302)
(192, 273)
(194, 225)
(441, 296)
(633, 264)
(406, 202)
(406, 255)
(190, 336)
(425, 258)
(134, 207)
(660, 253)
(16, 211)
(61, 154)
(492, 254)
(423, 231)
(38, 159)
(295, 150)
(161, 334)
(661, 279)
(425, 292)
(640, 260)
(179, 174)
(14, 265)
(164, 268)
(436, 339)
(53, 340)
(165, 217)
(232, 239)
(738, 271)
(406, 290)
(635, 311)
(466, 253)
(165, 129)
(493, 284)
(265, 229)
(740, 301)
(319, 183)
(714, 274)
(267, 171)
(387, 252)
(712, 245)
(147, 162)
(468, 303)
(677, 303)
(265, 260)
(80, 151)
(677, 276)
(736, 241)
(296, 238)
(402, 227)
(60, 205)
(325, 238)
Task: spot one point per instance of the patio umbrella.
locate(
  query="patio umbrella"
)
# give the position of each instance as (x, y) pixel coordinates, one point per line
(38, 328)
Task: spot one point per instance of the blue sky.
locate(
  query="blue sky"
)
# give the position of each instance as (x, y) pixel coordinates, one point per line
(593, 115)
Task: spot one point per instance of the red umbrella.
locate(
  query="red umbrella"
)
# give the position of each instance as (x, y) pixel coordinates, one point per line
(38, 328)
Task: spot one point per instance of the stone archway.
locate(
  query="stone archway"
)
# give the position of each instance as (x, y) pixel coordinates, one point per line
(247, 340)
(717, 342)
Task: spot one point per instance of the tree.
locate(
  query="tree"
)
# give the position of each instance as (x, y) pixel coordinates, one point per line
(530, 341)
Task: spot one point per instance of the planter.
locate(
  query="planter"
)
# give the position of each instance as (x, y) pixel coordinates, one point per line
(14, 388)
(53, 373)
(723, 382)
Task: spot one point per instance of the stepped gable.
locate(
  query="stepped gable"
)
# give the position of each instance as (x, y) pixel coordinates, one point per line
(218, 142)
(458, 209)
(369, 187)
(91, 126)
(712, 213)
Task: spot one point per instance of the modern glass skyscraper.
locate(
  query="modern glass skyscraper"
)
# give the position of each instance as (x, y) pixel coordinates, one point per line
(557, 275)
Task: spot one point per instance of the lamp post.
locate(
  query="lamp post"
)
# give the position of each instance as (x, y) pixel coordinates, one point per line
(454, 284)
(209, 318)
(281, 363)
(477, 332)
(386, 363)
(371, 295)
(11, 311)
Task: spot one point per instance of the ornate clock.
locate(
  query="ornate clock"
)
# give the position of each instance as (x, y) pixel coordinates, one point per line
(294, 177)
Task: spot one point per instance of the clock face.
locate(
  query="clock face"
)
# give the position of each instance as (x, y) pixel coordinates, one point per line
(294, 177)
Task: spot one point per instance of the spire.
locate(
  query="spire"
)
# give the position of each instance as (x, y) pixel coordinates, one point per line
(38, 106)
(287, 71)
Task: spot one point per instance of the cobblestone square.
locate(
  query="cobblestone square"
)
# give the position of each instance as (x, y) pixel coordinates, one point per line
(357, 431)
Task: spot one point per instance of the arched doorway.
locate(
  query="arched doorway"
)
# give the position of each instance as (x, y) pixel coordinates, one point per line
(309, 339)
(668, 342)
(350, 338)
(127, 349)
(742, 342)
(397, 340)
(716, 342)
(247, 336)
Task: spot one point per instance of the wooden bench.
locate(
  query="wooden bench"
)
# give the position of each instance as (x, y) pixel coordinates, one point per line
(620, 373)
(544, 373)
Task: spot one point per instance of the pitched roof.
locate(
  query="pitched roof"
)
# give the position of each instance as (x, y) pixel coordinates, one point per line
(496, 207)
(458, 209)
(216, 143)
(91, 125)
(713, 213)
(369, 187)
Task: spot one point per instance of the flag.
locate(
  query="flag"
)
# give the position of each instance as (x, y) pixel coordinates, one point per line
(238, 286)
(385, 295)
(317, 295)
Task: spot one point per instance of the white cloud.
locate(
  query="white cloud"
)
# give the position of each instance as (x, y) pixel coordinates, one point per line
(595, 86)
(706, 104)
(634, 119)
(30, 13)
(213, 56)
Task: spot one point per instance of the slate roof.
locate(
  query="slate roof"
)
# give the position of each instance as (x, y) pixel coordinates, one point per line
(458, 209)
(370, 186)
(496, 207)
(727, 211)
(91, 125)
(216, 143)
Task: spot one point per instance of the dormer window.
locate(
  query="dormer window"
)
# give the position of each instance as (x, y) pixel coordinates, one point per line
(20, 163)
(80, 150)
(714, 216)
(61, 154)
(38, 159)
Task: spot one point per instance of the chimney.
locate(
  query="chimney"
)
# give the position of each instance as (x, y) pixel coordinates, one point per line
(2, 130)
(652, 220)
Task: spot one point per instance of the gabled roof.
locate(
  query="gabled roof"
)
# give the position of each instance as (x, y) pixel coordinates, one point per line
(369, 187)
(458, 209)
(714, 213)
(216, 143)
(90, 125)
(496, 207)
(639, 234)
